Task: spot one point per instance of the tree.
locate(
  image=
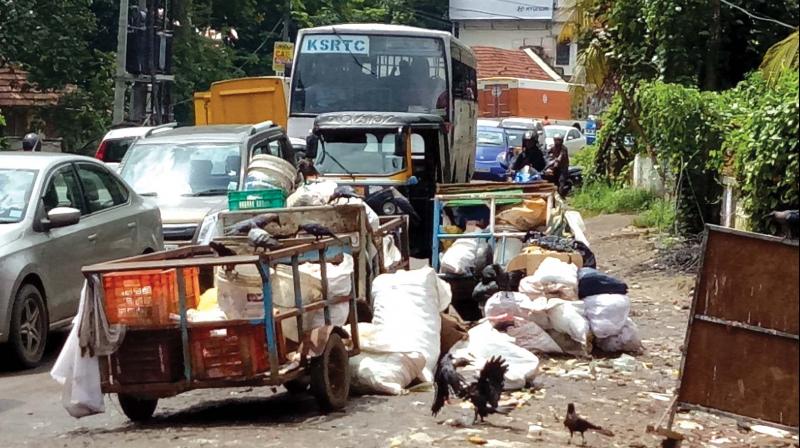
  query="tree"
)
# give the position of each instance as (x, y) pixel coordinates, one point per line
(781, 57)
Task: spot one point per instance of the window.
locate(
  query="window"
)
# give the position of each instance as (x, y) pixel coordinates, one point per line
(100, 189)
(465, 81)
(62, 191)
(563, 53)
(573, 134)
(268, 147)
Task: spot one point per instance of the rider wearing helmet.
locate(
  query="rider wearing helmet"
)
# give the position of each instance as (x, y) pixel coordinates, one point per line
(31, 142)
(557, 169)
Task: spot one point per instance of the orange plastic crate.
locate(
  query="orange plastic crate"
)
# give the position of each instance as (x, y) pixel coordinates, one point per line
(147, 297)
(228, 350)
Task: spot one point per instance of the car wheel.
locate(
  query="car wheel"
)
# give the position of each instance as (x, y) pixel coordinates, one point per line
(29, 327)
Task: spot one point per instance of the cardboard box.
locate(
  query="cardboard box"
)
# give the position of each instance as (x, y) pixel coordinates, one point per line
(530, 262)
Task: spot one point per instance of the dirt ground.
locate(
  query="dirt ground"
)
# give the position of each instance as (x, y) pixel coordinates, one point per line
(624, 399)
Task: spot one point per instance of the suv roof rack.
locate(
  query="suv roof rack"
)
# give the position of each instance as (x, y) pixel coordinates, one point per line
(261, 126)
(160, 127)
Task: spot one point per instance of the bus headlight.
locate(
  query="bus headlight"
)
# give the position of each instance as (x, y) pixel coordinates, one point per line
(389, 208)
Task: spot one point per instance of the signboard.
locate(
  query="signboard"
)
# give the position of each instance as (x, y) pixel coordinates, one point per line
(501, 10)
(278, 69)
(335, 43)
(283, 53)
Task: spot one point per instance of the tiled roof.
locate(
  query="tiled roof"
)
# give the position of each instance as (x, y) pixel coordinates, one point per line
(16, 91)
(497, 62)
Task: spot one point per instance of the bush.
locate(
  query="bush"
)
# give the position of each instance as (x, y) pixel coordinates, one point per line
(660, 215)
(600, 197)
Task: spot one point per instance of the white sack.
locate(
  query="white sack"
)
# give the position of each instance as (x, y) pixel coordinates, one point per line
(518, 304)
(627, 340)
(460, 257)
(339, 275)
(377, 371)
(607, 313)
(317, 193)
(391, 253)
(566, 318)
(484, 342)
(80, 376)
(553, 270)
(313, 319)
(406, 313)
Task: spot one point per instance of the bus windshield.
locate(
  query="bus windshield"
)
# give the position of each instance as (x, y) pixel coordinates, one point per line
(350, 72)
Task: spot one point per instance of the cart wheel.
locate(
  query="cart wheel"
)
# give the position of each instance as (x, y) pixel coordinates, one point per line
(137, 409)
(298, 386)
(330, 375)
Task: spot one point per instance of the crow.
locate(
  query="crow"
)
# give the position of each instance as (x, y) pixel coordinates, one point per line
(344, 191)
(404, 205)
(789, 220)
(261, 239)
(575, 423)
(221, 250)
(259, 221)
(307, 169)
(484, 394)
(445, 379)
(318, 231)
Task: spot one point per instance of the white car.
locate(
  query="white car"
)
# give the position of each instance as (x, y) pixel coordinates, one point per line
(117, 141)
(574, 140)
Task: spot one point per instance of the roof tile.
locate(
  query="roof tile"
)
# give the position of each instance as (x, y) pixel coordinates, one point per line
(497, 62)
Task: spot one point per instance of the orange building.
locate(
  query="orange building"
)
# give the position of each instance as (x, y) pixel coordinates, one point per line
(518, 83)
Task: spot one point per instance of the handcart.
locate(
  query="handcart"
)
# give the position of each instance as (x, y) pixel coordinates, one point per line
(160, 357)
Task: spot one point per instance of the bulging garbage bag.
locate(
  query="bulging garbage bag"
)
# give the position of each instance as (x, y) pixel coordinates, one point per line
(607, 313)
(627, 340)
(592, 282)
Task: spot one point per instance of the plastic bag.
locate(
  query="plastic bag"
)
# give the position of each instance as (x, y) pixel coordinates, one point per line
(317, 193)
(391, 253)
(379, 370)
(339, 275)
(484, 342)
(553, 278)
(627, 340)
(80, 375)
(592, 282)
(406, 313)
(531, 337)
(566, 318)
(461, 257)
(607, 313)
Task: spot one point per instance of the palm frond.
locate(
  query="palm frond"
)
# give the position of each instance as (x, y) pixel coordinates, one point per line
(780, 57)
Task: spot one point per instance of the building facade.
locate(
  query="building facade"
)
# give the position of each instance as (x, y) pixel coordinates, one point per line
(515, 24)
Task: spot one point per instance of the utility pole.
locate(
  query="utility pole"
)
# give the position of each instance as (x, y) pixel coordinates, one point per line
(287, 19)
(119, 79)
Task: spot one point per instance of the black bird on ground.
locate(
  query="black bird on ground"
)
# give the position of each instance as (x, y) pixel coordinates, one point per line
(344, 191)
(261, 239)
(484, 394)
(789, 220)
(447, 379)
(256, 222)
(575, 423)
(318, 231)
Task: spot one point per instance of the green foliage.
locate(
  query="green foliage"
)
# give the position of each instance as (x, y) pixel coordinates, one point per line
(660, 214)
(602, 197)
(585, 159)
(612, 157)
(781, 57)
(762, 138)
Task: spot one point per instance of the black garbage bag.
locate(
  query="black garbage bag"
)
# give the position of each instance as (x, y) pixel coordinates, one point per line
(589, 261)
(592, 282)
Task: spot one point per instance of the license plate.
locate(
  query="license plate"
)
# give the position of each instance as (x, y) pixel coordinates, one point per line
(170, 246)
(482, 170)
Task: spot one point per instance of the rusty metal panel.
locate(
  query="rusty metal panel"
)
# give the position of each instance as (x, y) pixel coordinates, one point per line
(742, 348)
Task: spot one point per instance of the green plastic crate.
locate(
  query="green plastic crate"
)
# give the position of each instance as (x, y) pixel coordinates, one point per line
(256, 199)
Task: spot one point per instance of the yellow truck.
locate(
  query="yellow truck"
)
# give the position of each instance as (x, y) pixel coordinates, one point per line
(244, 101)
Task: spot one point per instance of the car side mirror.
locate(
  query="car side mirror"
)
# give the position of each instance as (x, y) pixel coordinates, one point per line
(311, 146)
(61, 217)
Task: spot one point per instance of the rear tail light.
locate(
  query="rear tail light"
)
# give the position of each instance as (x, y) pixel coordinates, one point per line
(101, 150)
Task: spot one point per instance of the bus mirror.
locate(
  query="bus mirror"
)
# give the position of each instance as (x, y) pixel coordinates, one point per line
(311, 146)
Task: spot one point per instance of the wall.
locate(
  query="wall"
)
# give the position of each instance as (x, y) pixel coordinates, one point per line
(522, 102)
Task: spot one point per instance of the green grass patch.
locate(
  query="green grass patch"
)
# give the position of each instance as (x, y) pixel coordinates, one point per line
(660, 215)
(601, 198)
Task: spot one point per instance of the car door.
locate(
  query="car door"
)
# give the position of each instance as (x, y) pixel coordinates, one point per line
(63, 251)
(575, 141)
(109, 213)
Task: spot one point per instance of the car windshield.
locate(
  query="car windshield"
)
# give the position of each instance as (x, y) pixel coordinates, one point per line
(351, 72)
(515, 136)
(15, 193)
(490, 138)
(359, 152)
(187, 169)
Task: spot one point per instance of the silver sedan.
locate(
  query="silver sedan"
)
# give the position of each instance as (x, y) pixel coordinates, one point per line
(59, 212)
